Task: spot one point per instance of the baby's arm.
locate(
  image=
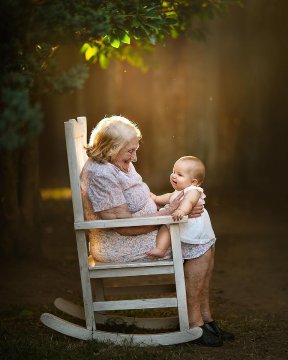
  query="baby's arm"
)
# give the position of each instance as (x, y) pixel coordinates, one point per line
(161, 200)
(190, 200)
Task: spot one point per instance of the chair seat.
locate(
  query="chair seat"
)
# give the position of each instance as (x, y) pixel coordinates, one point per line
(106, 270)
(113, 265)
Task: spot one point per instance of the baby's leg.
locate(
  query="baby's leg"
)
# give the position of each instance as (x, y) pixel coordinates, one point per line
(163, 242)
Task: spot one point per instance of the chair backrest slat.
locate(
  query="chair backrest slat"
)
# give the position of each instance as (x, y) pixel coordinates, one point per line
(76, 138)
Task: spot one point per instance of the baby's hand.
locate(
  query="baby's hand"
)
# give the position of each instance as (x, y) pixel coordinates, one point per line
(178, 214)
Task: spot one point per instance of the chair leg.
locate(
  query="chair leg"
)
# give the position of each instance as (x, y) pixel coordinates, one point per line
(179, 277)
(85, 280)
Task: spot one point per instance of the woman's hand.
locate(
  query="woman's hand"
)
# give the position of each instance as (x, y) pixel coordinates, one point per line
(196, 211)
(169, 210)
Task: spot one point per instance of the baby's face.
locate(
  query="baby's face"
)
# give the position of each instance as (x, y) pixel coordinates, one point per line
(181, 175)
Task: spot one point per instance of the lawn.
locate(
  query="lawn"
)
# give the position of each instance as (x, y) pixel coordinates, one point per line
(24, 337)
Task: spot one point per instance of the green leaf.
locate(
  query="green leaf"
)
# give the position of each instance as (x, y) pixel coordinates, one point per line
(126, 39)
(153, 8)
(104, 61)
(115, 43)
(84, 48)
(91, 52)
(174, 33)
(106, 39)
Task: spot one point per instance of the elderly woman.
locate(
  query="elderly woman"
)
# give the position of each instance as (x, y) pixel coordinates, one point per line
(112, 189)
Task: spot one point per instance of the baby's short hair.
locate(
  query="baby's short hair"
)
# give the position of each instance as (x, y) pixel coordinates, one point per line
(197, 168)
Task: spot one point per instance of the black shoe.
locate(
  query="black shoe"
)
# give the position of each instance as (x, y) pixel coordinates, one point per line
(214, 329)
(208, 338)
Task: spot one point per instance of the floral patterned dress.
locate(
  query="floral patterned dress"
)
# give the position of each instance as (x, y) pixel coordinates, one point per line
(105, 186)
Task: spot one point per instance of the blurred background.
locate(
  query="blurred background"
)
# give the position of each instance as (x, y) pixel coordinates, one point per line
(223, 100)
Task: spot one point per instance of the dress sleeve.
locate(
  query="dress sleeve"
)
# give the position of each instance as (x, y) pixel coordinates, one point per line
(198, 188)
(105, 191)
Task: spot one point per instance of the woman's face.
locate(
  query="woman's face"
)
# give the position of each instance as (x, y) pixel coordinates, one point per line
(127, 154)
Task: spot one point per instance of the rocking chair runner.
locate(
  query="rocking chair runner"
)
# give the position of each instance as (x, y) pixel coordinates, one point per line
(95, 302)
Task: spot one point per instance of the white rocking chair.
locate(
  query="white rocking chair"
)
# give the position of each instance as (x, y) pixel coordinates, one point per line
(95, 300)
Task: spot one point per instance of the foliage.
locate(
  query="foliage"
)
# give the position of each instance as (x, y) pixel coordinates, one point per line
(147, 23)
(33, 31)
(18, 114)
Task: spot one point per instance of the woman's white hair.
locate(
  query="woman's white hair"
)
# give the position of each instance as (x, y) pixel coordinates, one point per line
(109, 136)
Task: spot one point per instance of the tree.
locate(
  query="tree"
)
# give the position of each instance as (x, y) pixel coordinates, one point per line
(32, 32)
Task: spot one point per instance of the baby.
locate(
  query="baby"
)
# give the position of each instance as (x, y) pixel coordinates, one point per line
(187, 176)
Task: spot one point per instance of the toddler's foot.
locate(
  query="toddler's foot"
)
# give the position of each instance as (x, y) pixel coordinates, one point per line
(91, 261)
(157, 252)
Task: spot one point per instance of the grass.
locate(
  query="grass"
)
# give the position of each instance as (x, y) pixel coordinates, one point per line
(22, 336)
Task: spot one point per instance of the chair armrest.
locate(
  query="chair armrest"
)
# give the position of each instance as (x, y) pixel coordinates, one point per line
(139, 221)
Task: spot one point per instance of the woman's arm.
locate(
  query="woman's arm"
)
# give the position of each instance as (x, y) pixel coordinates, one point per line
(122, 212)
